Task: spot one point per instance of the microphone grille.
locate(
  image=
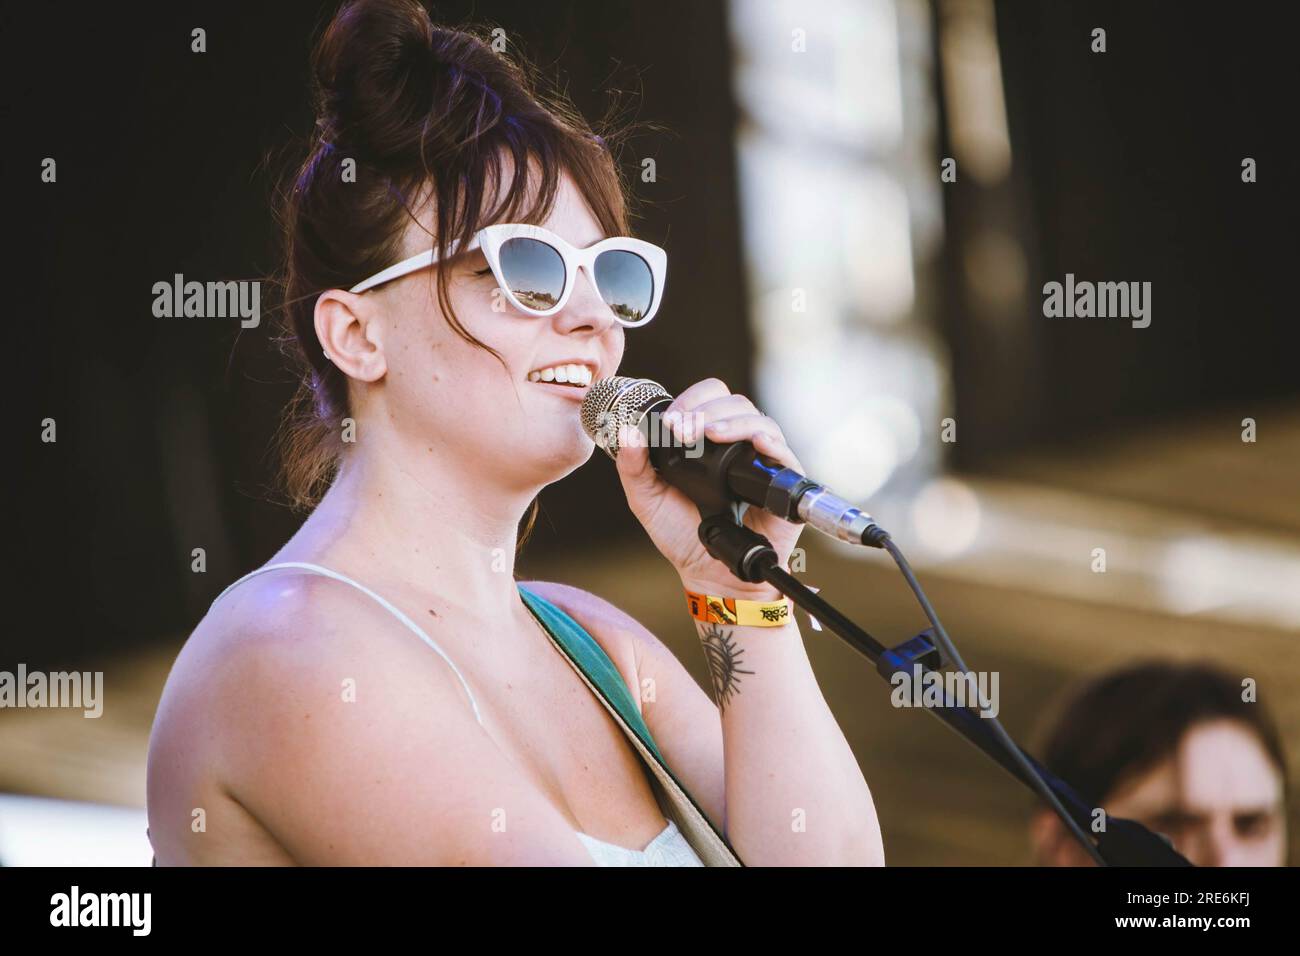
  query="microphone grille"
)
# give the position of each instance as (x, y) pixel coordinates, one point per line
(614, 401)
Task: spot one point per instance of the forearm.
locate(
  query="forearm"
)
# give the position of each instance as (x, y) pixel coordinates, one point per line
(795, 795)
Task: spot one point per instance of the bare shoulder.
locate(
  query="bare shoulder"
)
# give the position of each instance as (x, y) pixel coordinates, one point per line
(620, 635)
(294, 626)
(284, 640)
(324, 717)
(606, 622)
(585, 608)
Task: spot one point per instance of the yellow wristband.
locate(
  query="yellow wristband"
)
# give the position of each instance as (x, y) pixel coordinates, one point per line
(720, 610)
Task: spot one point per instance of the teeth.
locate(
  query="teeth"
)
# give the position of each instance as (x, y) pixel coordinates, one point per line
(568, 374)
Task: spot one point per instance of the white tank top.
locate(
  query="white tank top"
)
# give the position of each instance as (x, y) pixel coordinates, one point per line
(669, 848)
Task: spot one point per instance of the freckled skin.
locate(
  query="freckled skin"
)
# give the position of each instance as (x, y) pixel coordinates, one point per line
(437, 384)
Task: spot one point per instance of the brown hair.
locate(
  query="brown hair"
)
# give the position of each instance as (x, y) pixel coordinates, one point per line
(1127, 721)
(425, 112)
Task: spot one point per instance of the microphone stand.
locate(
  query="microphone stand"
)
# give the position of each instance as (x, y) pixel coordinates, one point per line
(750, 557)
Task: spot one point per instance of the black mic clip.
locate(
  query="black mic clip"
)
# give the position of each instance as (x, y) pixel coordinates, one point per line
(745, 552)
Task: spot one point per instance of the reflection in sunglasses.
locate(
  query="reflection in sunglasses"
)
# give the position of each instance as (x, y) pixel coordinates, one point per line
(535, 300)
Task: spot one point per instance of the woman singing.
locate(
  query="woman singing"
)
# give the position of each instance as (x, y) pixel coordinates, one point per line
(384, 691)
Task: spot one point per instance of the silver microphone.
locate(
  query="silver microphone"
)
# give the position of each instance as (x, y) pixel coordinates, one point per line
(721, 473)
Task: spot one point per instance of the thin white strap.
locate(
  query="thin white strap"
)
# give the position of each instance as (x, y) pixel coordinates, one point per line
(397, 613)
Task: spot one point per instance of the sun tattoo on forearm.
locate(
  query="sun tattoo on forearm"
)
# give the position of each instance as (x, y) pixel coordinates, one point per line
(724, 663)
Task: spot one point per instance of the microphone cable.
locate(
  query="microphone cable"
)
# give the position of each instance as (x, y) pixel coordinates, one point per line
(1010, 746)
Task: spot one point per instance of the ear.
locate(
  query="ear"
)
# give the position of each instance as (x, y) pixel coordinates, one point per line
(349, 330)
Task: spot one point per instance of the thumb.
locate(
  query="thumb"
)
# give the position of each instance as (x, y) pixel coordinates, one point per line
(633, 461)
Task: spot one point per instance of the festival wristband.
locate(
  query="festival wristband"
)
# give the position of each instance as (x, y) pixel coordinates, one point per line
(720, 610)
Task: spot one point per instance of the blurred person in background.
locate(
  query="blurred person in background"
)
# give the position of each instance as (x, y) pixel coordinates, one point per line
(1175, 747)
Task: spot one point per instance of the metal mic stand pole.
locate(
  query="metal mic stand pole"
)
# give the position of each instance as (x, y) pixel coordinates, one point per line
(751, 558)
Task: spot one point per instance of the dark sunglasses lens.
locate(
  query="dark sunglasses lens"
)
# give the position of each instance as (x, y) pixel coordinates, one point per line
(626, 283)
(534, 272)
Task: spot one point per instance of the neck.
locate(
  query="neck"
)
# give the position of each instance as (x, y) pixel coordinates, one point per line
(425, 521)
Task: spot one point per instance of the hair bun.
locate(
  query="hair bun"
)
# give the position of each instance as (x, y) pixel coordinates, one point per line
(374, 72)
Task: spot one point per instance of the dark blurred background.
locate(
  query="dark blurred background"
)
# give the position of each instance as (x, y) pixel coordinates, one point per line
(777, 171)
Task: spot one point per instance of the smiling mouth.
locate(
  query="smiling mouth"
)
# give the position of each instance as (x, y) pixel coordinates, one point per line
(573, 376)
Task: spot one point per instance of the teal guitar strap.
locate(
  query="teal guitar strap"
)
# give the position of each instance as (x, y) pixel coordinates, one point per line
(599, 673)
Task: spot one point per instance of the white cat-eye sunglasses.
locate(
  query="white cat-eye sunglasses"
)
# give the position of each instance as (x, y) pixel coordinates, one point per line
(536, 270)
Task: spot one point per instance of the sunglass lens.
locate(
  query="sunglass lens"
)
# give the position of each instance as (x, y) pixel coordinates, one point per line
(625, 283)
(534, 272)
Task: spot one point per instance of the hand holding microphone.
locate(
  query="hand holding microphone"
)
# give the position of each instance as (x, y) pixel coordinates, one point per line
(706, 412)
(733, 454)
